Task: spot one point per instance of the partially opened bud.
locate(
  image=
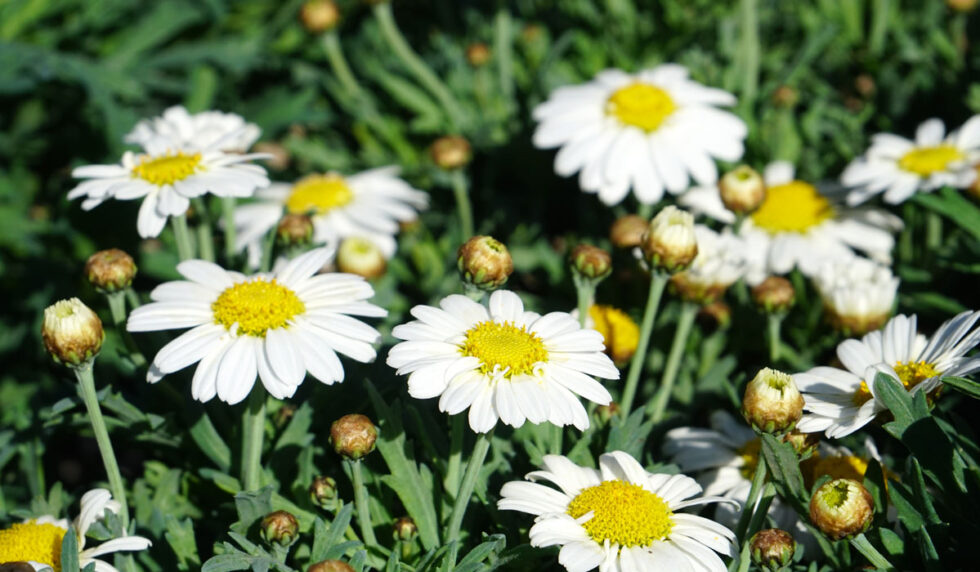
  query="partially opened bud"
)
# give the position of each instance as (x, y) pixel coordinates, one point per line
(319, 15)
(591, 261)
(323, 492)
(484, 262)
(772, 403)
(72, 332)
(477, 54)
(841, 508)
(405, 529)
(772, 548)
(451, 152)
(110, 270)
(353, 436)
(279, 527)
(330, 566)
(774, 294)
(628, 231)
(295, 229)
(669, 243)
(362, 257)
(742, 190)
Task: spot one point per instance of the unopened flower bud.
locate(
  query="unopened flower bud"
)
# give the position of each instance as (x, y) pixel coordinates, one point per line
(16, 567)
(865, 84)
(606, 413)
(405, 529)
(774, 294)
(484, 262)
(319, 15)
(279, 527)
(323, 492)
(785, 97)
(280, 158)
(330, 566)
(669, 243)
(627, 231)
(353, 436)
(742, 189)
(715, 315)
(110, 270)
(284, 414)
(841, 508)
(805, 444)
(962, 5)
(477, 54)
(591, 261)
(620, 334)
(772, 403)
(691, 289)
(71, 332)
(360, 256)
(451, 152)
(772, 549)
(295, 229)
(974, 189)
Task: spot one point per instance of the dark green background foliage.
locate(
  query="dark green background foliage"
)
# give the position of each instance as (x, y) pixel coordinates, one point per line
(814, 79)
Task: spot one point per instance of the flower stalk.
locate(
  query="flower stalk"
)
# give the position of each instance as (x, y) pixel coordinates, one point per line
(479, 455)
(182, 236)
(658, 281)
(361, 504)
(253, 436)
(689, 312)
(463, 206)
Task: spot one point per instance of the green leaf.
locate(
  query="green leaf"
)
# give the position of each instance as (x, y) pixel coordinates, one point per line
(963, 385)
(630, 435)
(252, 506)
(473, 561)
(180, 536)
(874, 481)
(784, 468)
(69, 551)
(891, 541)
(898, 400)
(210, 442)
(327, 540)
(901, 498)
(954, 206)
(227, 563)
(224, 481)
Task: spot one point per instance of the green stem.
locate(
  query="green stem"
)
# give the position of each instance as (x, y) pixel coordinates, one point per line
(228, 213)
(934, 231)
(480, 449)
(338, 63)
(557, 437)
(253, 435)
(117, 307)
(775, 340)
(456, 431)
(689, 312)
(658, 282)
(865, 547)
(645, 210)
(132, 298)
(361, 503)
(503, 48)
(268, 248)
(415, 64)
(185, 248)
(463, 204)
(585, 295)
(758, 480)
(205, 240)
(86, 384)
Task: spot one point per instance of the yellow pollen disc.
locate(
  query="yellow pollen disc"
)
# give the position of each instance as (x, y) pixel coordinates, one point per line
(619, 332)
(925, 161)
(792, 207)
(32, 541)
(256, 306)
(909, 373)
(749, 453)
(504, 348)
(318, 194)
(623, 513)
(168, 169)
(641, 105)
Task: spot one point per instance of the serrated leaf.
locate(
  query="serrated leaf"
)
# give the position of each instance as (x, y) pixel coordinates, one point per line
(180, 537)
(473, 561)
(784, 469)
(630, 435)
(251, 506)
(327, 539)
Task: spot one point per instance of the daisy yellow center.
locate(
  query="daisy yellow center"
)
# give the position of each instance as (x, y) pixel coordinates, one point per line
(749, 453)
(622, 513)
(910, 373)
(792, 207)
(168, 169)
(32, 541)
(925, 161)
(319, 194)
(504, 348)
(641, 105)
(840, 467)
(619, 332)
(256, 306)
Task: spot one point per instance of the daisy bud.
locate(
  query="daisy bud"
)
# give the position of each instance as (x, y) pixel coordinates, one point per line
(484, 262)
(742, 190)
(669, 243)
(974, 189)
(715, 315)
(295, 229)
(696, 291)
(16, 567)
(477, 54)
(279, 527)
(606, 413)
(405, 529)
(280, 156)
(110, 270)
(323, 492)
(772, 403)
(318, 16)
(330, 566)
(962, 5)
(865, 84)
(805, 444)
(627, 231)
(772, 549)
(841, 508)
(591, 261)
(785, 97)
(774, 294)
(362, 257)
(353, 436)
(451, 152)
(71, 332)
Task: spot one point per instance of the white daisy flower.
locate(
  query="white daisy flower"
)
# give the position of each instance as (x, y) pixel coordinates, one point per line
(841, 401)
(720, 262)
(278, 326)
(899, 168)
(367, 205)
(618, 518)
(649, 131)
(502, 362)
(166, 176)
(38, 541)
(206, 130)
(799, 226)
(858, 294)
